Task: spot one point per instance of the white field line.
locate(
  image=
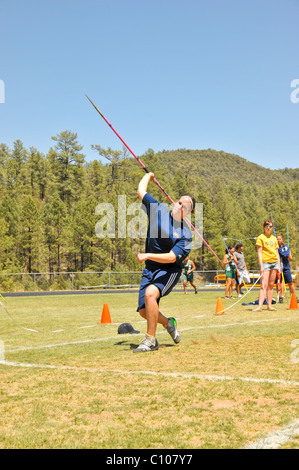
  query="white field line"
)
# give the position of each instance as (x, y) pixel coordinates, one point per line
(277, 438)
(225, 325)
(174, 375)
(45, 346)
(239, 323)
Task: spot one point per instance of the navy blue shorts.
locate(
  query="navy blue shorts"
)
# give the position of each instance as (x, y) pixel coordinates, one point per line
(164, 280)
(287, 276)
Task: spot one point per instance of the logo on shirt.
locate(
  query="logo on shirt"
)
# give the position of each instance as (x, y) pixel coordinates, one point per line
(270, 243)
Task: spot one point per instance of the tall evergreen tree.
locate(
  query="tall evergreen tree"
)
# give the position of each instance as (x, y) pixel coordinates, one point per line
(37, 173)
(67, 163)
(82, 227)
(55, 220)
(30, 237)
(15, 169)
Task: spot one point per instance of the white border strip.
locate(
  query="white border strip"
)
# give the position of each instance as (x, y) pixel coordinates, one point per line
(200, 327)
(174, 375)
(276, 439)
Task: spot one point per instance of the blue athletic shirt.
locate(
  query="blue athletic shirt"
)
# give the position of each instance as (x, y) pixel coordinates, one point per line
(284, 252)
(165, 234)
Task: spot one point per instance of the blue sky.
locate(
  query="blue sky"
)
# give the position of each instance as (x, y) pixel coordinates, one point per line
(167, 74)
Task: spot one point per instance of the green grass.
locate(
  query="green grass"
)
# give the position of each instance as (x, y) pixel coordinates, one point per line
(88, 389)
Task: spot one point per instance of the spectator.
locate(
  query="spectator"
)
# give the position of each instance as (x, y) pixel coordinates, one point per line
(268, 257)
(242, 271)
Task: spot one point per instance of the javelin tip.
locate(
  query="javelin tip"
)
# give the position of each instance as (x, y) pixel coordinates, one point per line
(97, 109)
(89, 99)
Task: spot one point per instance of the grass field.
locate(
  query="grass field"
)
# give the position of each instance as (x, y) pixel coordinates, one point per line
(233, 379)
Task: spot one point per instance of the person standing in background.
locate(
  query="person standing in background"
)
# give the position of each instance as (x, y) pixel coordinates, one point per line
(242, 271)
(230, 262)
(285, 258)
(189, 267)
(269, 261)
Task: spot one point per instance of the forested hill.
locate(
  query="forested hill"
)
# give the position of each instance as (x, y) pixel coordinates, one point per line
(211, 164)
(48, 204)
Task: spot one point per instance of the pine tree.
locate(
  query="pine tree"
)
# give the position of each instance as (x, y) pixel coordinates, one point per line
(30, 236)
(67, 162)
(55, 220)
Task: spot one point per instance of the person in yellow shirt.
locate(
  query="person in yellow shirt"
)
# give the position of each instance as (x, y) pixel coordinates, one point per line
(269, 261)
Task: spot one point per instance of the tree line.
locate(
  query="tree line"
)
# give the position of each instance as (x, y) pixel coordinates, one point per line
(48, 204)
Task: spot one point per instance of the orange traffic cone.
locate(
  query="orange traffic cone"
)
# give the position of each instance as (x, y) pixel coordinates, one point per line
(105, 314)
(293, 303)
(219, 307)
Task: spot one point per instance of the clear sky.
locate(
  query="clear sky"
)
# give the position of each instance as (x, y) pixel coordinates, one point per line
(167, 74)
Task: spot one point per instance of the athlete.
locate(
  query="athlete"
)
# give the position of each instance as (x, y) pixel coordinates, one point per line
(230, 262)
(285, 258)
(168, 243)
(189, 267)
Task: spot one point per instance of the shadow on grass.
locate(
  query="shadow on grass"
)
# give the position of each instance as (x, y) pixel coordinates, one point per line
(135, 345)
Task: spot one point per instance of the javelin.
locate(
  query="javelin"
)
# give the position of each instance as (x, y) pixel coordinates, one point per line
(278, 272)
(233, 261)
(147, 171)
(273, 226)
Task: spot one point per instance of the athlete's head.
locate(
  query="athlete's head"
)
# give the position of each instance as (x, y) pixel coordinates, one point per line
(183, 207)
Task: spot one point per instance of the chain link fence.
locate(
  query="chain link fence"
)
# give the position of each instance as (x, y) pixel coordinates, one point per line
(87, 281)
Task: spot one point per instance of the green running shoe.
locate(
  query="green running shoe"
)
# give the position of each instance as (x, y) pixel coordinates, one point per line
(171, 328)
